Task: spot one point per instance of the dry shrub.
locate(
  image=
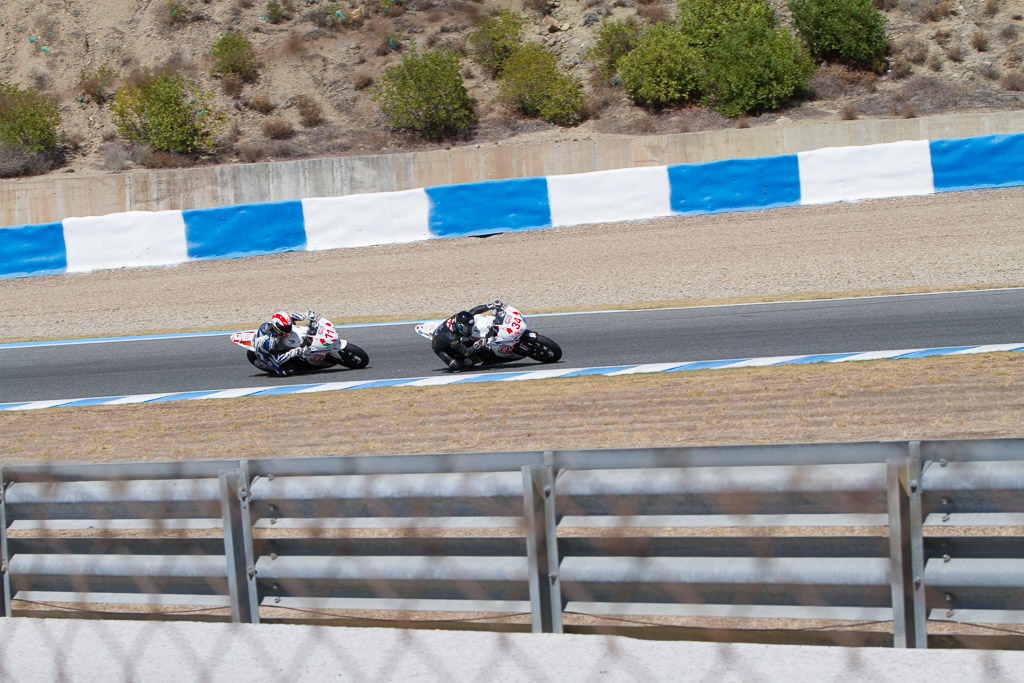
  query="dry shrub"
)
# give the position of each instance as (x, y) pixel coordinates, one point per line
(114, 158)
(177, 63)
(825, 84)
(277, 128)
(942, 35)
(935, 61)
(1009, 33)
(601, 97)
(251, 153)
(293, 45)
(653, 13)
(955, 52)
(935, 11)
(73, 140)
(231, 84)
(363, 80)
(108, 135)
(743, 121)
(849, 112)
(905, 110)
(280, 149)
(645, 126)
(1013, 81)
(260, 103)
(136, 78)
(886, 5)
(309, 111)
(991, 7)
(916, 51)
(900, 67)
(159, 159)
(990, 71)
(979, 41)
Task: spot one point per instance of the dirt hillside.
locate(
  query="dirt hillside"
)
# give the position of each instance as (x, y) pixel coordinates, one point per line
(947, 57)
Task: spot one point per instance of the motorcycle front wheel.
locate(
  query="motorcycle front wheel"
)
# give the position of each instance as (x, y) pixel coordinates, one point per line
(541, 348)
(351, 357)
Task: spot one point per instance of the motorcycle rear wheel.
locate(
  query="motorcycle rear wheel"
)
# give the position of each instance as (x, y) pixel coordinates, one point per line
(542, 349)
(351, 357)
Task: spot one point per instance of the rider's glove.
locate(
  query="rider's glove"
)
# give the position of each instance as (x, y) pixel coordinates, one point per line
(497, 304)
(312, 316)
(478, 344)
(492, 332)
(307, 341)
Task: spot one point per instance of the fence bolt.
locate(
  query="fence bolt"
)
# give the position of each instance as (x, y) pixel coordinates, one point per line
(242, 493)
(273, 521)
(948, 597)
(270, 477)
(250, 572)
(946, 558)
(943, 462)
(273, 556)
(277, 599)
(913, 485)
(949, 613)
(553, 577)
(547, 491)
(945, 517)
(3, 567)
(917, 582)
(945, 501)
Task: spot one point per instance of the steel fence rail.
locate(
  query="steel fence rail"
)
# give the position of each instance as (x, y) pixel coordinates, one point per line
(548, 540)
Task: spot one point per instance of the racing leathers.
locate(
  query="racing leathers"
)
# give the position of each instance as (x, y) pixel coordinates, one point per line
(456, 347)
(274, 351)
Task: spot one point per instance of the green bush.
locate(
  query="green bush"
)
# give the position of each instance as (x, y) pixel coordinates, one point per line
(663, 69)
(234, 54)
(276, 13)
(426, 94)
(752, 68)
(704, 21)
(28, 120)
(495, 38)
(168, 112)
(615, 39)
(532, 82)
(851, 31)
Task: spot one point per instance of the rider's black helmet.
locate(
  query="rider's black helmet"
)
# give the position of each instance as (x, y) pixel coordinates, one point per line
(464, 323)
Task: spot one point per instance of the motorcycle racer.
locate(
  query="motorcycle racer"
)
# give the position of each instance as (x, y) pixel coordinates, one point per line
(453, 341)
(276, 343)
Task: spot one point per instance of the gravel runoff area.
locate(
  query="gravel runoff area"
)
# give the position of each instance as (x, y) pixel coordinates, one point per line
(944, 241)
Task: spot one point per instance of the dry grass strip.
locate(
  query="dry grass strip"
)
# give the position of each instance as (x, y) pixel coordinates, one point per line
(946, 397)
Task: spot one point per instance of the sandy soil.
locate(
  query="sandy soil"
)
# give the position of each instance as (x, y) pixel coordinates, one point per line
(949, 241)
(58, 47)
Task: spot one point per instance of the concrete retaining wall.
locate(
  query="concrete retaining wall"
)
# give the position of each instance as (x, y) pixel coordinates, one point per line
(51, 199)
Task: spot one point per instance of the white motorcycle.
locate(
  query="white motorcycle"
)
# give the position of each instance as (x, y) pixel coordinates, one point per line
(513, 341)
(325, 348)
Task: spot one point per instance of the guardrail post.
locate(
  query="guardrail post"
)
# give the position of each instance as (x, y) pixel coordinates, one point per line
(906, 549)
(542, 548)
(238, 550)
(5, 560)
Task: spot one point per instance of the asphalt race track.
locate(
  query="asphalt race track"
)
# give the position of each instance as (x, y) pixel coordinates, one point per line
(38, 372)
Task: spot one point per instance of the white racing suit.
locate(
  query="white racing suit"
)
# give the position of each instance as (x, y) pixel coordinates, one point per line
(274, 352)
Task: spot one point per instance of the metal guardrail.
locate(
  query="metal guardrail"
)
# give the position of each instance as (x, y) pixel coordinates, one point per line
(566, 537)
